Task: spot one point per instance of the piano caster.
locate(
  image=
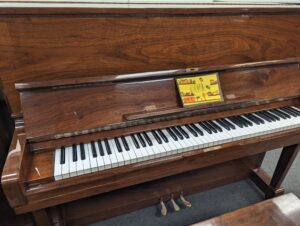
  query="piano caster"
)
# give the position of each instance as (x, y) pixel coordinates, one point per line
(185, 202)
(163, 209)
(174, 204)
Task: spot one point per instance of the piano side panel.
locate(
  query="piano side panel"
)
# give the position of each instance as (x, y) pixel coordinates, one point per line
(79, 109)
(43, 47)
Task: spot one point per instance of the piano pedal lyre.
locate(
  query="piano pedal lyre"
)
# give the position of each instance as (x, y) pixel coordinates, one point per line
(163, 209)
(174, 204)
(184, 201)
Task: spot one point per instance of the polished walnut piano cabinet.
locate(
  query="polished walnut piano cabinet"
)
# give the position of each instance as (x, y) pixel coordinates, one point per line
(68, 77)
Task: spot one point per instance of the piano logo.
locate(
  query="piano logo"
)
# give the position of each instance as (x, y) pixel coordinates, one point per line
(199, 89)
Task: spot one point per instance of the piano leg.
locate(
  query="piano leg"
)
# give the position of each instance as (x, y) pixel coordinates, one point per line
(271, 187)
(285, 161)
(41, 218)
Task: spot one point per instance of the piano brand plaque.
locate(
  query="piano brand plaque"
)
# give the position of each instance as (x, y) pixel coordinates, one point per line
(202, 89)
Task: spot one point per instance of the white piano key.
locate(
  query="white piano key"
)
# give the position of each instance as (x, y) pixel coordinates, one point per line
(244, 133)
(106, 157)
(65, 171)
(72, 164)
(86, 161)
(195, 144)
(224, 133)
(147, 149)
(206, 140)
(115, 151)
(173, 146)
(100, 159)
(79, 163)
(144, 151)
(112, 156)
(57, 165)
(159, 149)
(166, 146)
(156, 150)
(292, 121)
(131, 152)
(126, 156)
(93, 161)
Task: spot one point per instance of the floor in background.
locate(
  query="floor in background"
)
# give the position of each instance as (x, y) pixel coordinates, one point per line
(210, 203)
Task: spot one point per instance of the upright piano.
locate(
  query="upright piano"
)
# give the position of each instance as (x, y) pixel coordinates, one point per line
(100, 127)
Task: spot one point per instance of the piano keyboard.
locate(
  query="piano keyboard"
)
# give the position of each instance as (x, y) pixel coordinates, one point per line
(104, 154)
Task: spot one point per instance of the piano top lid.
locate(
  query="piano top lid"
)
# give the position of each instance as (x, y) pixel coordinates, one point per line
(69, 107)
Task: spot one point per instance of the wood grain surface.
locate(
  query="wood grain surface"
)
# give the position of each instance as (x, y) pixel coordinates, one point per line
(76, 110)
(43, 47)
(283, 210)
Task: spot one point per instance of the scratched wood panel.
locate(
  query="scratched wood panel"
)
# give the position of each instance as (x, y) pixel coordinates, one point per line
(43, 47)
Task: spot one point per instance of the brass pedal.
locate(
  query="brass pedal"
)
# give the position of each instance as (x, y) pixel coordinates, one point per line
(174, 204)
(163, 209)
(185, 202)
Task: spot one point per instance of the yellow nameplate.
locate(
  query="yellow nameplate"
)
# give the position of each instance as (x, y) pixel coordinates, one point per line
(203, 89)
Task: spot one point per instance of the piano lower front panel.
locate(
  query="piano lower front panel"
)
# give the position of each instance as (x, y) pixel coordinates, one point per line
(59, 192)
(129, 199)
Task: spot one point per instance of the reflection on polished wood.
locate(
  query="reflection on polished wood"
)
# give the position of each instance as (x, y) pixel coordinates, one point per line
(280, 211)
(74, 84)
(56, 43)
(28, 178)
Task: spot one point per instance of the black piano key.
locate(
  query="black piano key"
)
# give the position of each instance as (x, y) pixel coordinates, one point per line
(242, 121)
(108, 150)
(183, 132)
(157, 138)
(270, 116)
(251, 118)
(94, 151)
(224, 125)
(74, 152)
(125, 143)
(291, 113)
(273, 115)
(191, 130)
(256, 117)
(172, 134)
(205, 127)
(278, 113)
(264, 116)
(100, 148)
(176, 132)
(217, 127)
(62, 155)
(283, 113)
(236, 122)
(293, 110)
(143, 143)
(249, 123)
(212, 128)
(197, 130)
(163, 136)
(231, 125)
(82, 152)
(147, 138)
(136, 144)
(119, 148)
